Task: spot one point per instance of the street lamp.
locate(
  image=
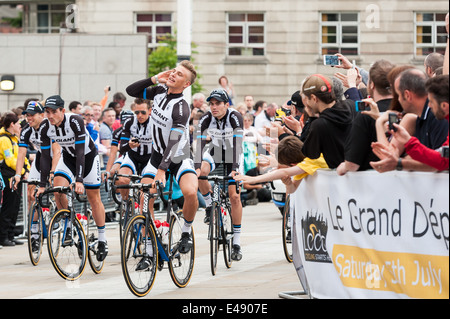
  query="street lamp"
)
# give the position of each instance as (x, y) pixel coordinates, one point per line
(7, 83)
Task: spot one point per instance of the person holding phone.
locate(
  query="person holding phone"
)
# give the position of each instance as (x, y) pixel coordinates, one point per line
(136, 143)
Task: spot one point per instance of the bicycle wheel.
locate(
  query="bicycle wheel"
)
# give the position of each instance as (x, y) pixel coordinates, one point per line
(139, 242)
(227, 235)
(286, 231)
(92, 243)
(181, 266)
(213, 235)
(35, 234)
(69, 240)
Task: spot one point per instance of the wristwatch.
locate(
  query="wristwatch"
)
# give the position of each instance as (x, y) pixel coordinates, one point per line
(399, 164)
(156, 79)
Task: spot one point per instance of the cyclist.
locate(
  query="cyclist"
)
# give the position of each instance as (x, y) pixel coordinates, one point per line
(136, 143)
(171, 146)
(115, 161)
(224, 126)
(79, 162)
(31, 136)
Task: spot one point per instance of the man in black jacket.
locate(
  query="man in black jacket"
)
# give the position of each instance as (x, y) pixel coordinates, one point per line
(328, 133)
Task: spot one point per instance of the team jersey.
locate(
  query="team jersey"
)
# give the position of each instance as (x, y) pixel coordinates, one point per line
(74, 140)
(169, 121)
(226, 135)
(133, 129)
(30, 137)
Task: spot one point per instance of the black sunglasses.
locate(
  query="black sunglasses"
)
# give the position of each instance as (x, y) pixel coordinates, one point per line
(142, 112)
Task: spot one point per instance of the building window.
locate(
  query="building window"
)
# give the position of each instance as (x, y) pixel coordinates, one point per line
(50, 17)
(155, 25)
(339, 33)
(245, 34)
(430, 33)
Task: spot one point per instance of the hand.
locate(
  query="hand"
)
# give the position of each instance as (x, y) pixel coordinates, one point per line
(243, 178)
(447, 22)
(345, 63)
(387, 154)
(293, 124)
(164, 76)
(16, 180)
(160, 177)
(79, 188)
(374, 111)
(402, 135)
(133, 144)
(39, 191)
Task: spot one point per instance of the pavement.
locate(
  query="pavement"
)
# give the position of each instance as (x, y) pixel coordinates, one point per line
(262, 274)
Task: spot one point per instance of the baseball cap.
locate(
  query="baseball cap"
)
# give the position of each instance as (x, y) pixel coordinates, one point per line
(54, 102)
(218, 94)
(317, 84)
(296, 100)
(33, 107)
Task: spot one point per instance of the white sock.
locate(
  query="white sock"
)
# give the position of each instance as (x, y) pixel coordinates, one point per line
(101, 233)
(237, 235)
(207, 198)
(187, 227)
(35, 230)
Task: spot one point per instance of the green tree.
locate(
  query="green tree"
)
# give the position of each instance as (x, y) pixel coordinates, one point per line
(165, 58)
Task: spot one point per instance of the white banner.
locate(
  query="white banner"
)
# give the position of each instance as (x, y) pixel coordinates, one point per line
(372, 235)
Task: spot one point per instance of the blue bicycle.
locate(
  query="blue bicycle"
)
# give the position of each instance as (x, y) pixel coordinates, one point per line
(144, 250)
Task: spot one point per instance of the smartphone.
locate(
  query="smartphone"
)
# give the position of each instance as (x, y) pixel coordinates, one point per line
(331, 60)
(135, 140)
(109, 88)
(361, 106)
(393, 118)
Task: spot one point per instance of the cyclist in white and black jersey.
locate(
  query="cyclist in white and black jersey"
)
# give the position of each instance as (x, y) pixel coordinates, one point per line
(171, 147)
(79, 162)
(30, 136)
(115, 161)
(136, 143)
(225, 127)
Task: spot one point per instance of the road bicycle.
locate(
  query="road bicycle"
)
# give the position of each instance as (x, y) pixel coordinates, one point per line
(73, 238)
(142, 240)
(286, 230)
(220, 230)
(39, 217)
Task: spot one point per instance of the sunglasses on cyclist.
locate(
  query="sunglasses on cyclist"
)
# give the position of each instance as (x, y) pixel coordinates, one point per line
(141, 112)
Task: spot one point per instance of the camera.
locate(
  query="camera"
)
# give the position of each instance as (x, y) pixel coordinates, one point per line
(361, 106)
(331, 60)
(444, 151)
(393, 118)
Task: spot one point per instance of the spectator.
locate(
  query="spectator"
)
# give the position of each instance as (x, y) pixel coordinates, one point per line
(263, 119)
(249, 102)
(75, 107)
(9, 149)
(250, 142)
(420, 122)
(438, 95)
(116, 106)
(432, 62)
(228, 87)
(241, 108)
(358, 150)
(328, 133)
(259, 107)
(105, 132)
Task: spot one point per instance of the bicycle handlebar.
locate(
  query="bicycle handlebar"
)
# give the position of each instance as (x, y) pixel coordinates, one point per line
(220, 178)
